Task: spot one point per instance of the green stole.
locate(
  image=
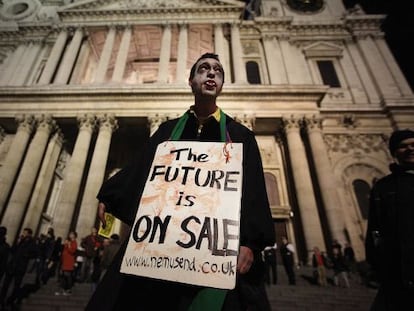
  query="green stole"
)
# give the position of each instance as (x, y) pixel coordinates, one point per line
(207, 299)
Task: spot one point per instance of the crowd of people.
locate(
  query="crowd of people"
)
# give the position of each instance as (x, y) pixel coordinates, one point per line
(46, 256)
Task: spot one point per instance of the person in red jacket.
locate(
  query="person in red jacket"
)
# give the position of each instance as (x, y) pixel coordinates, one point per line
(68, 264)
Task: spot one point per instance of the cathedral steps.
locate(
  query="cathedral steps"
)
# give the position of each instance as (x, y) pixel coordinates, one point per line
(303, 296)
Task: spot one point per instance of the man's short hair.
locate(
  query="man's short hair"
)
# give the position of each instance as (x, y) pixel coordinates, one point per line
(397, 137)
(205, 55)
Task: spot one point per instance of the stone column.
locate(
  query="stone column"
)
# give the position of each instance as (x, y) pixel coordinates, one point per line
(28, 173)
(40, 192)
(155, 121)
(122, 56)
(165, 53)
(220, 49)
(326, 179)
(400, 80)
(54, 57)
(88, 208)
(14, 157)
(25, 65)
(377, 66)
(362, 71)
(181, 71)
(100, 73)
(72, 179)
(303, 185)
(69, 58)
(274, 59)
(14, 61)
(239, 67)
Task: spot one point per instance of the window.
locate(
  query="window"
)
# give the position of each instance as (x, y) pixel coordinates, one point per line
(362, 191)
(328, 73)
(253, 74)
(271, 189)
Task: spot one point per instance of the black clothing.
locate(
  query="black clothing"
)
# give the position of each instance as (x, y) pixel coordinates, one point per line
(4, 256)
(21, 253)
(270, 260)
(121, 195)
(390, 238)
(288, 263)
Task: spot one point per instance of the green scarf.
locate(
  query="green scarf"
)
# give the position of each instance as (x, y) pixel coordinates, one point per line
(207, 299)
(179, 127)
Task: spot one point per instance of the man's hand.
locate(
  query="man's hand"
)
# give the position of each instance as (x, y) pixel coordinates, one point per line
(101, 214)
(244, 260)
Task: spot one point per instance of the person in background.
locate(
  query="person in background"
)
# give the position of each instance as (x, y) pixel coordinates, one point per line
(4, 251)
(286, 251)
(349, 256)
(46, 246)
(68, 264)
(22, 252)
(120, 195)
(320, 263)
(336, 244)
(389, 243)
(91, 244)
(339, 268)
(269, 255)
(111, 247)
(53, 265)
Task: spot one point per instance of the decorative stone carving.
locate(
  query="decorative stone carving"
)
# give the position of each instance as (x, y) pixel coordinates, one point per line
(157, 3)
(355, 143)
(19, 10)
(247, 120)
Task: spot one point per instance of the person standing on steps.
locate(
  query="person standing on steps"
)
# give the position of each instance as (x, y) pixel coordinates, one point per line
(269, 255)
(286, 251)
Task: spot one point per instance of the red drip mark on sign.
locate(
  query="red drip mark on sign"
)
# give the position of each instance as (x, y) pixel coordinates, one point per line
(226, 152)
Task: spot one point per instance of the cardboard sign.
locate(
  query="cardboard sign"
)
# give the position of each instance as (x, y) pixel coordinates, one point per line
(109, 228)
(187, 225)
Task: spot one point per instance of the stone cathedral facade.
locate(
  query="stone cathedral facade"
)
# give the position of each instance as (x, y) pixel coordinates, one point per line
(84, 83)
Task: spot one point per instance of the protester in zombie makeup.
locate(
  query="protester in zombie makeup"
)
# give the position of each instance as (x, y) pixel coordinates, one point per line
(120, 195)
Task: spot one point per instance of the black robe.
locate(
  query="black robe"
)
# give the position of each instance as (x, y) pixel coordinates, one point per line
(121, 195)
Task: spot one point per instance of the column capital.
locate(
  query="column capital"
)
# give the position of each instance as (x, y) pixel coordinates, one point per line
(292, 122)
(166, 25)
(45, 122)
(248, 120)
(313, 123)
(86, 122)
(26, 122)
(108, 122)
(155, 120)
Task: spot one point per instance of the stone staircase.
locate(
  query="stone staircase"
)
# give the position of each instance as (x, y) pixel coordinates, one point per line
(304, 296)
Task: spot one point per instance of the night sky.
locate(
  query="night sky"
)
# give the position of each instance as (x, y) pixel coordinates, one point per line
(398, 28)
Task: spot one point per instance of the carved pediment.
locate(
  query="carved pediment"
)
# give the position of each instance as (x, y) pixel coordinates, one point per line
(149, 11)
(149, 4)
(323, 49)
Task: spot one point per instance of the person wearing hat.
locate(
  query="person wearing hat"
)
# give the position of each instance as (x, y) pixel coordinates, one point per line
(389, 243)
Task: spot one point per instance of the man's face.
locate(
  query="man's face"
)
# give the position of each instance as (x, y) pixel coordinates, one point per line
(208, 78)
(405, 152)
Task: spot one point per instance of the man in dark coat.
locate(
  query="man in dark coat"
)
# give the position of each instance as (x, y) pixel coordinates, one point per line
(22, 252)
(121, 194)
(390, 233)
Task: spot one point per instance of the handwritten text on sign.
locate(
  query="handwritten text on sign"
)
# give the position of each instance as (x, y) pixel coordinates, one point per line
(187, 225)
